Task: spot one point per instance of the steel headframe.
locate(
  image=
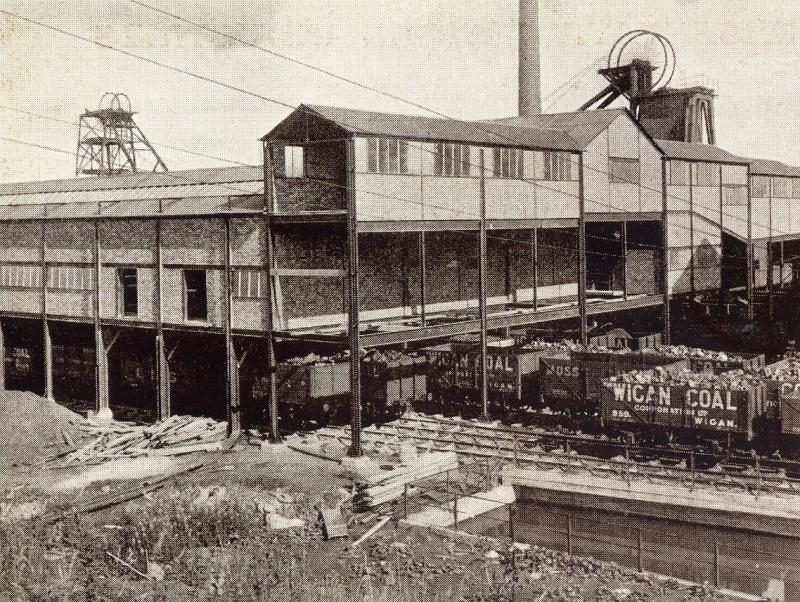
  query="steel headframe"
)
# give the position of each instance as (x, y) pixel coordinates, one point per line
(110, 142)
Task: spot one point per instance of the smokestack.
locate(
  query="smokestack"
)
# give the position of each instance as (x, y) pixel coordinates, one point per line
(530, 92)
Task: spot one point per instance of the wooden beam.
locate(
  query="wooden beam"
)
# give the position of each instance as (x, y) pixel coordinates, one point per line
(750, 262)
(163, 400)
(582, 252)
(2, 358)
(624, 244)
(232, 405)
(665, 254)
(269, 261)
(47, 343)
(101, 404)
(535, 253)
(423, 277)
(484, 373)
(353, 307)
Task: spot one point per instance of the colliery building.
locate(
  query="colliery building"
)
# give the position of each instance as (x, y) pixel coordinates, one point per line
(153, 290)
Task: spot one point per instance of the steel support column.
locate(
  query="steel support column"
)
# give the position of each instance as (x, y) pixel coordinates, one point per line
(484, 374)
(582, 253)
(423, 284)
(624, 245)
(770, 271)
(101, 396)
(269, 260)
(691, 229)
(233, 407)
(162, 362)
(47, 343)
(750, 271)
(2, 358)
(665, 254)
(535, 254)
(353, 304)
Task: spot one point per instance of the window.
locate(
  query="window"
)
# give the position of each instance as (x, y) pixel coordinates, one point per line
(294, 159)
(557, 167)
(623, 170)
(452, 159)
(679, 173)
(387, 155)
(250, 284)
(508, 163)
(196, 298)
(707, 174)
(760, 187)
(128, 291)
(70, 277)
(781, 188)
(21, 276)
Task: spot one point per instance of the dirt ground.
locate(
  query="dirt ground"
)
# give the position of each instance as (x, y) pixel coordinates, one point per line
(245, 525)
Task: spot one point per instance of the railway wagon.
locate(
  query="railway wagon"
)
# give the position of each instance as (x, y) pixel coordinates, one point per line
(320, 390)
(573, 380)
(707, 407)
(513, 372)
(789, 414)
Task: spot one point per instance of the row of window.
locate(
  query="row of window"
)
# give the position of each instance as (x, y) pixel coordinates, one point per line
(778, 187)
(682, 173)
(248, 284)
(391, 156)
(60, 277)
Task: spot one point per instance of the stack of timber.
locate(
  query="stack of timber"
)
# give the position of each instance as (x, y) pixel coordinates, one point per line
(380, 487)
(175, 436)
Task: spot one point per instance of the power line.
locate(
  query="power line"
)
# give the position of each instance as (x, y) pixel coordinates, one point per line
(268, 99)
(161, 144)
(388, 94)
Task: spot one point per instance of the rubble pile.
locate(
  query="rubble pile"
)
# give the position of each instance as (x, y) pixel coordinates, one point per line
(787, 371)
(547, 346)
(736, 380)
(114, 441)
(685, 352)
(313, 359)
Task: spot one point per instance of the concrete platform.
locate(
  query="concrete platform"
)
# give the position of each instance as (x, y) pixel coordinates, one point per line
(769, 514)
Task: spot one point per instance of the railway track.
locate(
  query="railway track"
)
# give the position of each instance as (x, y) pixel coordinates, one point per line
(476, 441)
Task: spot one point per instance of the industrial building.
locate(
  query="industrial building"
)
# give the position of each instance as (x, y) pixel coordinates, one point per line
(178, 292)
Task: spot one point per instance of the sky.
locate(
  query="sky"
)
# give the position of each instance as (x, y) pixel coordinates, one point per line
(459, 58)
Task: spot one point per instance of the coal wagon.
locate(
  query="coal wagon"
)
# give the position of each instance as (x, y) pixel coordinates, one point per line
(512, 370)
(708, 406)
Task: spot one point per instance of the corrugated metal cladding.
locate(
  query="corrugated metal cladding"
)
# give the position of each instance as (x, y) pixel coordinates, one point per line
(582, 126)
(449, 130)
(219, 175)
(693, 151)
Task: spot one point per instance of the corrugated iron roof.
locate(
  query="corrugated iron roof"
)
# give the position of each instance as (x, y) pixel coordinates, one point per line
(773, 168)
(694, 151)
(419, 127)
(188, 177)
(582, 126)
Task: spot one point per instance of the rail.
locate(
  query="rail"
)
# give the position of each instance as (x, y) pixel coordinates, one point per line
(638, 547)
(474, 442)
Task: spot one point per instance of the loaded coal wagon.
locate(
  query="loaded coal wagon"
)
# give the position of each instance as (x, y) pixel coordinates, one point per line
(675, 399)
(512, 369)
(572, 381)
(317, 389)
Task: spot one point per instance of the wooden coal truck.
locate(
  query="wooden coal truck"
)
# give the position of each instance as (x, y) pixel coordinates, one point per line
(317, 389)
(512, 368)
(573, 381)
